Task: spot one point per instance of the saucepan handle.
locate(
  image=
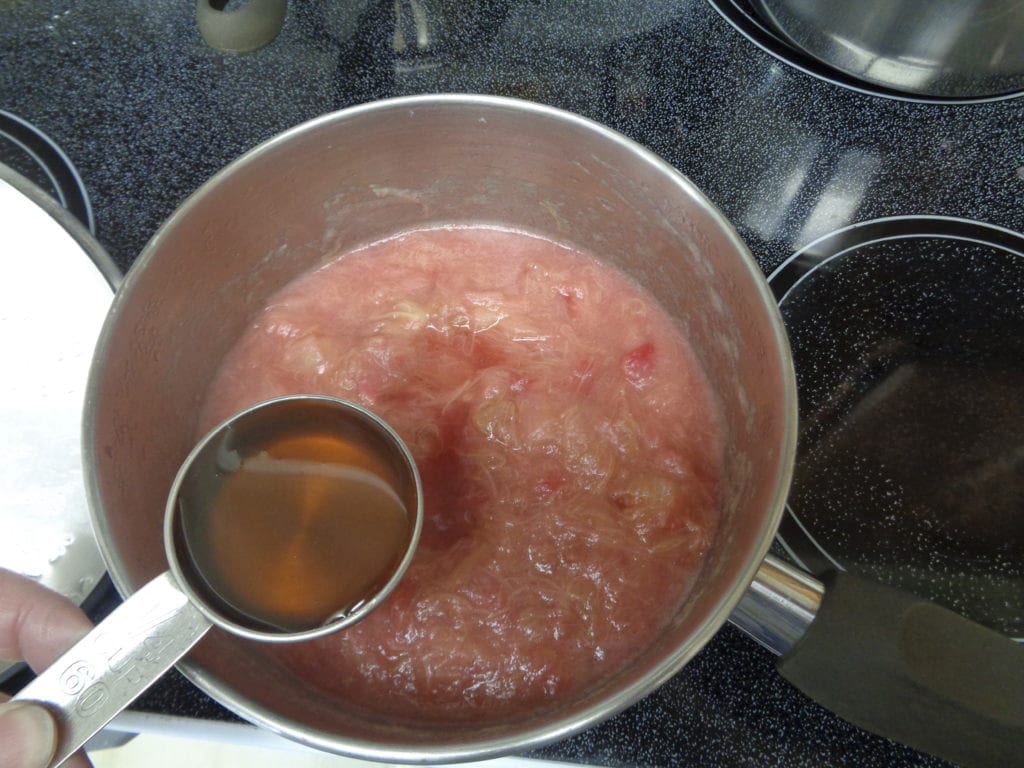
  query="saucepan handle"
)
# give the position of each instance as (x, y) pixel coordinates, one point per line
(892, 663)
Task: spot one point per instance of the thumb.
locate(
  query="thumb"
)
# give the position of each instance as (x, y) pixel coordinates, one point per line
(28, 735)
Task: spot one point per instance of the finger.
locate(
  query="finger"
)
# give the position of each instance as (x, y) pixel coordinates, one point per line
(28, 734)
(78, 760)
(36, 624)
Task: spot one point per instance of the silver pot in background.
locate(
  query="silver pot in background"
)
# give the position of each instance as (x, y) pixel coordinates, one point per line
(932, 48)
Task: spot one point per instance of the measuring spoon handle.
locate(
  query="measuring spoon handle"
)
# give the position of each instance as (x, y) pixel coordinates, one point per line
(112, 665)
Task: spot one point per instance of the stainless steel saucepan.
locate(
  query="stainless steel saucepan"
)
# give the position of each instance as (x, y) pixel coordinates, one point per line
(960, 49)
(370, 171)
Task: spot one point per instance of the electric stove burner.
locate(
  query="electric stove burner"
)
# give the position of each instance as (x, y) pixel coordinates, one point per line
(748, 18)
(908, 344)
(32, 153)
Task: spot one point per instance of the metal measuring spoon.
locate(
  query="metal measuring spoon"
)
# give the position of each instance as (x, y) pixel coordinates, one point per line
(296, 458)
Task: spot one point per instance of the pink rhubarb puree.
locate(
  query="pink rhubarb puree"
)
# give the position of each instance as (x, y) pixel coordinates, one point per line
(569, 449)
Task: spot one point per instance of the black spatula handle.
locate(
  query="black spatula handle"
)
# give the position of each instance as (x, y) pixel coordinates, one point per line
(913, 671)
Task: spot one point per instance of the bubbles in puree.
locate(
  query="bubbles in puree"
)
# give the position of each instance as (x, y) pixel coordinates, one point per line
(569, 448)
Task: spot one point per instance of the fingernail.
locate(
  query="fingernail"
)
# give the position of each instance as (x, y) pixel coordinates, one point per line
(28, 734)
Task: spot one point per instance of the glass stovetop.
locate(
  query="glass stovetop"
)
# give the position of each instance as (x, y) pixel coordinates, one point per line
(146, 112)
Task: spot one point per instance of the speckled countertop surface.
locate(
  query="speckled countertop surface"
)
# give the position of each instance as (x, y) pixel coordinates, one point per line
(147, 112)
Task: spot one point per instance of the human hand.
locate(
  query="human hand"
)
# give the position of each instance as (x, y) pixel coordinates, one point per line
(36, 625)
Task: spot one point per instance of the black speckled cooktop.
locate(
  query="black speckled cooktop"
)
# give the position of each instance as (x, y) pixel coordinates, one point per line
(146, 111)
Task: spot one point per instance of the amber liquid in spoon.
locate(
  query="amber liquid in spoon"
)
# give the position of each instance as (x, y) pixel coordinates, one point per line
(297, 528)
